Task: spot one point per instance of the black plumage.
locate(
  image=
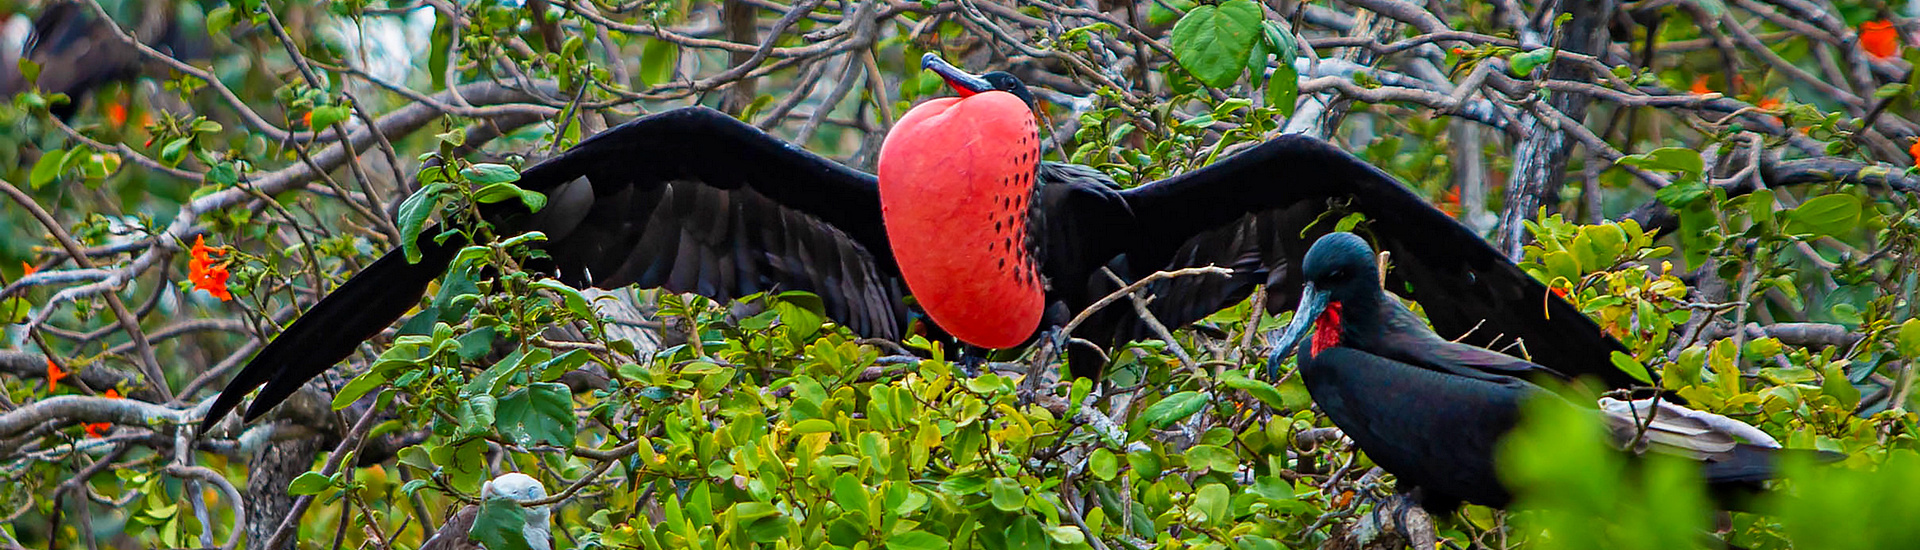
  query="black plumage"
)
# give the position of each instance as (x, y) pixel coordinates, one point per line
(1432, 412)
(692, 200)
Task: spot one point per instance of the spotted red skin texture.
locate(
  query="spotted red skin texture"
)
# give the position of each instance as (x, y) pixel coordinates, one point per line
(1326, 329)
(956, 175)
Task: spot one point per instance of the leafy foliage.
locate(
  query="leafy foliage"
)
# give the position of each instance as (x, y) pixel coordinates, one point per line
(1738, 213)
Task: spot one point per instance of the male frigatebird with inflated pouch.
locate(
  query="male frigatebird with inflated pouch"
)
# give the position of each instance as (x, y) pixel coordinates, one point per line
(994, 244)
(1431, 411)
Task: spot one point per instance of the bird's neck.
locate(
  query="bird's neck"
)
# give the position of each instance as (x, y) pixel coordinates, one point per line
(1355, 321)
(539, 528)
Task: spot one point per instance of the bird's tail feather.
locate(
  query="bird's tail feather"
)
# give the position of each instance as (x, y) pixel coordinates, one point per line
(368, 302)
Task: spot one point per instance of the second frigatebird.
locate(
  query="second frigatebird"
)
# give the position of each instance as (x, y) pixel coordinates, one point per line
(1431, 411)
(996, 245)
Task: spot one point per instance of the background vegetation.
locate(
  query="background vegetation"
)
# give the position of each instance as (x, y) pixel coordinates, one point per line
(1726, 185)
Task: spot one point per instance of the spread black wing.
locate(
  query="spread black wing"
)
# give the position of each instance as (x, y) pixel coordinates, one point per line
(1258, 212)
(689, 200)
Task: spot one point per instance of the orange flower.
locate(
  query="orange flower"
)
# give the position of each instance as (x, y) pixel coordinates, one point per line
(54, 375)
(1915, 151)
(1880, 39)
(1560, 291)
(99, 429)
(1450, 202)
(28, 268)
(205, 274)
(117, 114)
(1767, 103)
(1700, 86)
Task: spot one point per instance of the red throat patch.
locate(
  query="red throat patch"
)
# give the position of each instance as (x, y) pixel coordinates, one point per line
(1326, 329)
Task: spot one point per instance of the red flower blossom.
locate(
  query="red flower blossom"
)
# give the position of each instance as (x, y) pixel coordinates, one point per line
(54, 375)
(1914, 150)
(1880, 39)
(206, 275)
(28, 268)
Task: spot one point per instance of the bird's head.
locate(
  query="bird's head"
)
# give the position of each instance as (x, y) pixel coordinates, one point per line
(966, 84)
(1339, 269)
(513, 485)
(521, 488)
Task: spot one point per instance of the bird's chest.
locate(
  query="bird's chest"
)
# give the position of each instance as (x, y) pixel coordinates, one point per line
(956, 202)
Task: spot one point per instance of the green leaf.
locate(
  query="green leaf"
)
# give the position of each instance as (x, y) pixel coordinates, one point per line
(1835, 384)
(1283, 89)
(486, 172)
(309, 483)
(327, 116)
(1211, 501)
(359, 387)
(1523, 64)
(1028, 534)
(1006, 494)
(1261, 390)
(173, 151)
(1280, 39)
(501, 525)
(850, 494)
(1627, 364)
(47, 168)
(497, 192)
(218, 19)
(1825, 215)
(1908, 340)
(575, 301)
(916, 540)
(1103, 464)
(813, 426)
(1681, 193)
(414, 214)
(658, 60)
(553, 368)
(1671, 159)
(1213, 42)
(542, 411)
(1173, 409)
(1212, 457)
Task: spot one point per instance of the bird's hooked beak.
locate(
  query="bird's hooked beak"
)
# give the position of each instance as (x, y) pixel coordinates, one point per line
(1313, 302)
(963, 82)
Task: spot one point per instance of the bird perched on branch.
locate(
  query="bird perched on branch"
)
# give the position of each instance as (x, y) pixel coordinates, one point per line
(1431, 411)
(995, 244)
(508, 490)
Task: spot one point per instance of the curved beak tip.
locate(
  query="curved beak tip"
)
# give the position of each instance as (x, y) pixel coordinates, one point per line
(1312, 302)
(961, 81)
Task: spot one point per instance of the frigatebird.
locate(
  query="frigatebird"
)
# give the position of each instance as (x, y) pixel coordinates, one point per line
(994, 244)
(1431, 411)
